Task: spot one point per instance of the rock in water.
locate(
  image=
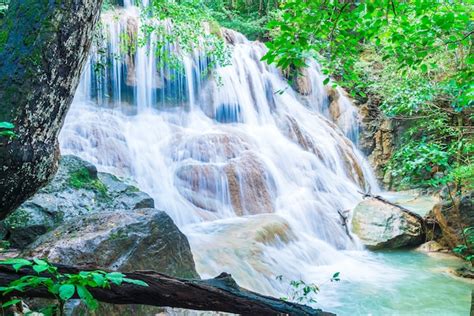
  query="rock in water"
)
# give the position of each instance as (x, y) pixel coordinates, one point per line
(380, 225)
(77, 189)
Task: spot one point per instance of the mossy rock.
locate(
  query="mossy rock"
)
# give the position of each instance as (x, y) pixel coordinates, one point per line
(76, 190)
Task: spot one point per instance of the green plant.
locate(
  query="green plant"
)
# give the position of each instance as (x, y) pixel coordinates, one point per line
(6, 130)
(466, 250)
(302, 292)
(62, 286)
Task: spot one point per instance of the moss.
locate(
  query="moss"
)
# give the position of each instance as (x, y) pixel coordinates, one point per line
(81, 179)
(18, 218)
(3, 38)
(118, 235)
(133, 189)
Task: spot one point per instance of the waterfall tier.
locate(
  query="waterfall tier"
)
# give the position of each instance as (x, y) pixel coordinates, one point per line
(252, 171)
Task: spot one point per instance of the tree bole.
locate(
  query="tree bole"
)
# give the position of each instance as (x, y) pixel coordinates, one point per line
(43, 47)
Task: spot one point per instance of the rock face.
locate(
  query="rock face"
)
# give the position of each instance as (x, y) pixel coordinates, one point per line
(380, 225)
(77, 189)
(452, 220)
(302, 82)
(377, 138)
(220, 171)
(142, 239)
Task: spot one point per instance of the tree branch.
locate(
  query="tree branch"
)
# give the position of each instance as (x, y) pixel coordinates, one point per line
(219, 294)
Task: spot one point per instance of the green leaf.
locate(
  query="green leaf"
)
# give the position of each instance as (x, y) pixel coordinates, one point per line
(66, 291)
(10, 303)
(326, 81)
(99, 279)
(40, 268)
(7, 125)
(115, 277)
(87, 297)
(136, 282)
(40, 262)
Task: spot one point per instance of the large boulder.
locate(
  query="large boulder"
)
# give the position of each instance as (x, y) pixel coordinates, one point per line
(141, 239)
(77, 189)
(453, 220)
(380, 225)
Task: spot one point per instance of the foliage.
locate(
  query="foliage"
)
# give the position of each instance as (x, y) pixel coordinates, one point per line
(62, 286)
(336, 33)
(467, 249)
(304, 293)
(6, 130)
(187, 29)
(416, 56)
(248, 17)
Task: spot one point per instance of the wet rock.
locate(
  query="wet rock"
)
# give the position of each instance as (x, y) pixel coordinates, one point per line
(243, 240)
(465, 272)
(77, 189)
(141, 239)
(242, 184)
(452, 220)
(302, 82)
(383, 226)
(251, 187)
(378, 137)
(431, 246)
(121, 240)
(212, 147)
(203, 185)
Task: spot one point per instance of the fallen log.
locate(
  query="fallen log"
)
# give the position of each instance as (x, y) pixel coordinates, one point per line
(219, 294)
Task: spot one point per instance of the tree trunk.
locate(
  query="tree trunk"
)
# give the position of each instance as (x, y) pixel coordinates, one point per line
(219, 294)
(44, 45)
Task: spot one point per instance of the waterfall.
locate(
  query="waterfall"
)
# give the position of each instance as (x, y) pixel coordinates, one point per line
(252, 171)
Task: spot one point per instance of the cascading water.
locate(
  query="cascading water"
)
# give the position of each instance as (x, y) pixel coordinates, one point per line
(254, 173)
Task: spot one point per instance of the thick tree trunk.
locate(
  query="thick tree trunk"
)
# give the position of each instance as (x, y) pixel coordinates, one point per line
(219, 294)
(43, 47)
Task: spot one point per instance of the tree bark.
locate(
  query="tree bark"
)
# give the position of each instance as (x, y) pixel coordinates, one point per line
(44, 45)
(219, 294)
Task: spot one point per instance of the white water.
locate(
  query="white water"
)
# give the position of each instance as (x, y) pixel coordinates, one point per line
(255, 178)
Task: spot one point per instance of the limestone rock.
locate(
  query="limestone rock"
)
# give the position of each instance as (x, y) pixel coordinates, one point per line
(453, 220)
(141, 239)
(383, 226)
(431, 246)
(243, 240)
(77, 189)
(302, 82)
(220, 171)
(121, 240)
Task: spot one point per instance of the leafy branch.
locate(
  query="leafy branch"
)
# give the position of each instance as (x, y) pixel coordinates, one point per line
(62, 286)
